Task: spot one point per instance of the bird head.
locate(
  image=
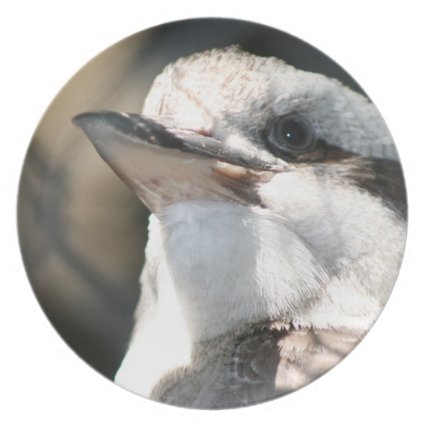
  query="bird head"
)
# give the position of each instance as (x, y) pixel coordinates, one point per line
(223, 124)
(225, 127)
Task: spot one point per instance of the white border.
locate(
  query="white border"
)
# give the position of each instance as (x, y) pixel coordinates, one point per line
(43, 43)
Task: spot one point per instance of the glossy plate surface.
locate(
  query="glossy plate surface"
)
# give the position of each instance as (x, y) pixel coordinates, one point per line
(277, 213)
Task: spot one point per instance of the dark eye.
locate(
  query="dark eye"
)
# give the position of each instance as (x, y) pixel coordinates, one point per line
(291, 134)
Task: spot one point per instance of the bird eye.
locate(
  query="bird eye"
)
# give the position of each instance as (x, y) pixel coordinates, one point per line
(291, 134)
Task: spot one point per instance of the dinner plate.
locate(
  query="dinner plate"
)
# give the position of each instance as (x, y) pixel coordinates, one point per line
(212, 213)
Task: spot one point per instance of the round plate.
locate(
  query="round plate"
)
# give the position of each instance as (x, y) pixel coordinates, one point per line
(250, 186)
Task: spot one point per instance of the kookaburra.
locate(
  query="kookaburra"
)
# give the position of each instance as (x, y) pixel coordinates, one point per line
(277, 228)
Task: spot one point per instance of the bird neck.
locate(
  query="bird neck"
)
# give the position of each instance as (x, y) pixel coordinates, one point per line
(228, 265)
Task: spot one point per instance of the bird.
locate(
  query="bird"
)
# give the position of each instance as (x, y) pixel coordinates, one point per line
(277, 226)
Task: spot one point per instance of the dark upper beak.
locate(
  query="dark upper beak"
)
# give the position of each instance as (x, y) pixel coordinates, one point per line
(145, 131)
(164, 165)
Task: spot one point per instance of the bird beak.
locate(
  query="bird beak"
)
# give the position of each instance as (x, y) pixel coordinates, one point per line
(164, 165)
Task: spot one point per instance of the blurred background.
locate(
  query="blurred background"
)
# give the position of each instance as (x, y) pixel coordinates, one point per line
(82, 231)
